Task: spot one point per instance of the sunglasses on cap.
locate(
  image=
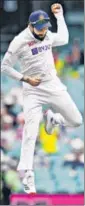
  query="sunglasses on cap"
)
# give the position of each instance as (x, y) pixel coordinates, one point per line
(40, 21)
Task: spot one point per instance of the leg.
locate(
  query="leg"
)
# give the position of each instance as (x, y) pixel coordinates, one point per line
(64, 105)
(33, 115)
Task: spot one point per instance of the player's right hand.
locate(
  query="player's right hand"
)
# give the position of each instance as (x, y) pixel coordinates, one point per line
(56, 8)
(33, 81)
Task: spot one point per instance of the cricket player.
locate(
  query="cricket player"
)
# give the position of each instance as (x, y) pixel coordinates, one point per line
(41, 86)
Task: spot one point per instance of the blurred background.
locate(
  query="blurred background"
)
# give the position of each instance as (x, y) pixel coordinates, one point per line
(59, 159)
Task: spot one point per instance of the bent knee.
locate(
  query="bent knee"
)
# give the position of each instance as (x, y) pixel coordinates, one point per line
(78, 122)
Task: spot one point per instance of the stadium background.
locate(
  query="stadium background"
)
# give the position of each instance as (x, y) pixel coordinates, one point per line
(61, 170)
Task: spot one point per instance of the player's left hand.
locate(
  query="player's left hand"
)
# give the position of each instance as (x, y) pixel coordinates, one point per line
(56, 8)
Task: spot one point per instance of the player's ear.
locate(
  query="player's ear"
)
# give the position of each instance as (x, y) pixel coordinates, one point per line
(31, 27)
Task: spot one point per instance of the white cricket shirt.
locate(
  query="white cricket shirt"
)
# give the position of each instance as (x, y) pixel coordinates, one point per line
(35, 56)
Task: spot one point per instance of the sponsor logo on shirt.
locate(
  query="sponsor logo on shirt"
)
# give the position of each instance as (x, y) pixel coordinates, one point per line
(40, 49)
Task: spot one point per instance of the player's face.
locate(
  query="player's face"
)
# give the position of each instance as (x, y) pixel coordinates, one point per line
(40, 34)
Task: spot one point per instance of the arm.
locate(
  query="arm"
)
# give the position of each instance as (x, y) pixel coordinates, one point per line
(10, 59)
(62, 36)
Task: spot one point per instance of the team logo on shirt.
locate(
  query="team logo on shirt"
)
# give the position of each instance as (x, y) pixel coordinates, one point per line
(40, 49)
(31, 43)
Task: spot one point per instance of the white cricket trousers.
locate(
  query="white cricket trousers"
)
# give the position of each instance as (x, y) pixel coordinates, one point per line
(59, 100)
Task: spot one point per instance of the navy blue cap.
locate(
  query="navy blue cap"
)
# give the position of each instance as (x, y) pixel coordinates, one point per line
(39, 19)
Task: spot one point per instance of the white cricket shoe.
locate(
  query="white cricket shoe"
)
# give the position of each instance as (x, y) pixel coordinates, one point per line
(28, 183)
(53, 120)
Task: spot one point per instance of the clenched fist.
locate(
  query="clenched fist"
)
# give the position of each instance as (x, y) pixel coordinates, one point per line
(33, 81)
(56, 8)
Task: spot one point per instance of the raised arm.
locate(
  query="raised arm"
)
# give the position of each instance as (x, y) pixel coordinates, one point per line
(61, 37)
